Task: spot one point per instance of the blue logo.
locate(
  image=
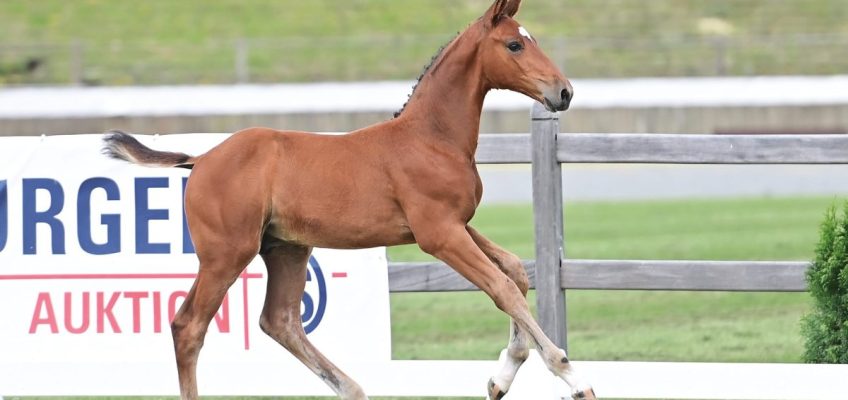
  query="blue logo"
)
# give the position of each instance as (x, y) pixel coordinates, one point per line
(314, 297)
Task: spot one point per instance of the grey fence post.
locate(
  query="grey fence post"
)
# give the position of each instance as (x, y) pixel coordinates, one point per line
(242, 61)
(548, 220)
(76, 60)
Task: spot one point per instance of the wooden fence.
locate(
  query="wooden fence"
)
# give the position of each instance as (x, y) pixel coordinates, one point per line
(551, 272)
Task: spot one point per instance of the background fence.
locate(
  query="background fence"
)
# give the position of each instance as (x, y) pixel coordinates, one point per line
(374, 57)
(552, 272)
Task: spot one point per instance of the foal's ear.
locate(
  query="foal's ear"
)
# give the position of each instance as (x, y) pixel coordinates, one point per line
(500, 9)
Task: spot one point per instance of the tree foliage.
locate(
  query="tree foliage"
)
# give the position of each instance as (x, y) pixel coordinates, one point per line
(825, 328)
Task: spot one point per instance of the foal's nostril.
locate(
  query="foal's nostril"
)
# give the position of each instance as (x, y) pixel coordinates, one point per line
(566, 95)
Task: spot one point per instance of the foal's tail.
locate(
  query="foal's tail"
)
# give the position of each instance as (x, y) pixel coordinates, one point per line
(122, 146)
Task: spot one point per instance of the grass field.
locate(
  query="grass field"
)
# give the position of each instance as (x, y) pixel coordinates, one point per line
(194, 41)
(636, 326)
(633, 325)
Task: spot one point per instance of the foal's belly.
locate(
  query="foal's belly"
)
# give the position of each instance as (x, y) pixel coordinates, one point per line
(340, 226)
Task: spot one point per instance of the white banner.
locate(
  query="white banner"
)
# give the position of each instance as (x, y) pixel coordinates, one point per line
(95, 258)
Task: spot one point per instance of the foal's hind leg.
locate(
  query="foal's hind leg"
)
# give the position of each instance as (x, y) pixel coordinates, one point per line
(281, 319)
(214, 278)
(454, 245)
(517, 348)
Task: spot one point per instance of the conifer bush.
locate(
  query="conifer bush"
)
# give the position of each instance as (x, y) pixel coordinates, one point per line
(825, 328)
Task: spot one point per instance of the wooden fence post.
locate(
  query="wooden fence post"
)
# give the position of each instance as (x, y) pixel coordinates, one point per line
(242, 61)
(77, 63)
(548, 221)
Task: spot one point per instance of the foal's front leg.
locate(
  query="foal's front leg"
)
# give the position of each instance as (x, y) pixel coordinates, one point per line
(454, 245)
(518, 348)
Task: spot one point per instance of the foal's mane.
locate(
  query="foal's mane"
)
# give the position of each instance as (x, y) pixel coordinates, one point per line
(424, 72)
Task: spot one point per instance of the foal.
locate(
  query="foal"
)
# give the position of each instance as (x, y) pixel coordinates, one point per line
(410, 179)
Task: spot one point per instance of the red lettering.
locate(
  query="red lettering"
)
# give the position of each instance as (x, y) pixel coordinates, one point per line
(110, 310)
(157, 312)
(222, 318)
(43, 304)
(172, 303)
(84, 311)
(136, 308)
(105, 312)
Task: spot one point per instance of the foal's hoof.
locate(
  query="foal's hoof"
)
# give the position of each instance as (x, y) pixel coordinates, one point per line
(585, 394)
(495, 393)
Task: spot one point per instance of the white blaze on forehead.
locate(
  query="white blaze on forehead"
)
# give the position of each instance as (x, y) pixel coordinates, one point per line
(524, 33)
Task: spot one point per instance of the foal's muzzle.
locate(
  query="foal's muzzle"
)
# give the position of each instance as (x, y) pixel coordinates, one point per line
(558, 97)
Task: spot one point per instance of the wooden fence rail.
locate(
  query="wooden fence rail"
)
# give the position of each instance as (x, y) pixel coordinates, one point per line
(552, 272)
(728, 276)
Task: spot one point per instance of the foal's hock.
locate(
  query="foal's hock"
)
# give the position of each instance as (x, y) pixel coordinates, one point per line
(411, 179)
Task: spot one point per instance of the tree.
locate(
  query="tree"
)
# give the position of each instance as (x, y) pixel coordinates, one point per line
(825, 328)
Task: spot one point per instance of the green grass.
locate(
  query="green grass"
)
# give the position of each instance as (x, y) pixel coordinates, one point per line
(193, 41)
(745, 229)
(635, 325)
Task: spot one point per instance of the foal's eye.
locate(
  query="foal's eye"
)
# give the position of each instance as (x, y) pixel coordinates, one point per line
(515, 47)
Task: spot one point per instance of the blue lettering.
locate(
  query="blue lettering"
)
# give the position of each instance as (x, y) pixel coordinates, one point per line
(112, 221)
(31, 217)
(313, 314)
(4, 215)
(143, 216)
(188, 245)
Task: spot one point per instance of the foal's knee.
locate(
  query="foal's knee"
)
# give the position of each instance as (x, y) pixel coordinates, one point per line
(514, 268)
(508, 298)
(188, 339)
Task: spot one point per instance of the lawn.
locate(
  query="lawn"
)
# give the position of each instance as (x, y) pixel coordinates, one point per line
(197, 41)
(635, 325)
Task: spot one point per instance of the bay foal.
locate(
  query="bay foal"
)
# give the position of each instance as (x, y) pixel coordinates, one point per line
(410, 179)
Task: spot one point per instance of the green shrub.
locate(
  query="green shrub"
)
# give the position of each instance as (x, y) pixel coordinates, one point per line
(826, 328)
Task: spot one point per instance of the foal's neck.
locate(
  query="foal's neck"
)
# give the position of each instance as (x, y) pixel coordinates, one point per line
(447, 102)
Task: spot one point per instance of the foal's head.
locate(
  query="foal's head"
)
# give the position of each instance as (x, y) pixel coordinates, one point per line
(511, 59)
